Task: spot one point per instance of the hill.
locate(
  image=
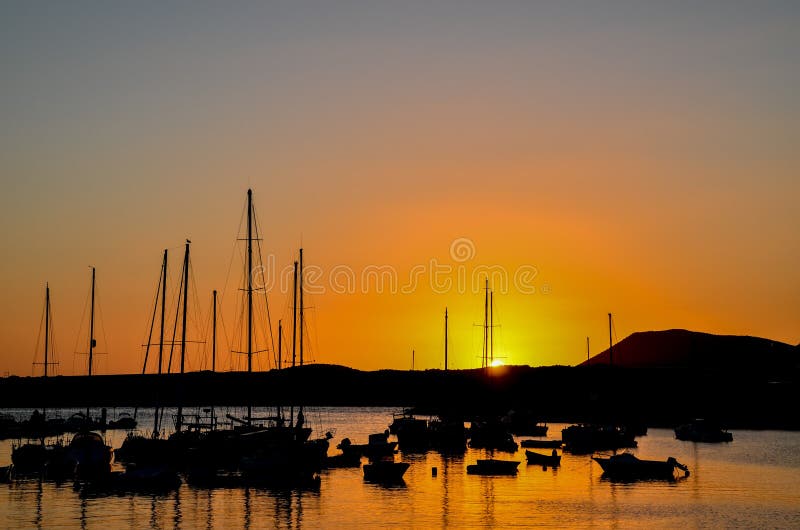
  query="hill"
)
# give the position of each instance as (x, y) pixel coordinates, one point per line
(691, 349)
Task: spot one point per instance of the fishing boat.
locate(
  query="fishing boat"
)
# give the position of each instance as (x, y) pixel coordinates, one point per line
(627, 466)
(385, 471)
(587, 438)
(702, 431)
(123, 422)
(524, 423)
(491, 434)
(541, 444)
(378, 446)
(447, 434)
(493, 467)
(91, 455)
(551, 460)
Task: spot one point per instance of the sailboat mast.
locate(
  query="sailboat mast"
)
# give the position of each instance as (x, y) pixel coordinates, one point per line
(185, 304)
(249, 292)
(163, 312)
(445, 339)
(249, 282)
(302, 319)
(179, 419)
(294, 334)
(214, 332)
(491, 328)
(91, 326)
(484, 361)
(610, 343)
(280, 344)
(46, 325)
(294, 317)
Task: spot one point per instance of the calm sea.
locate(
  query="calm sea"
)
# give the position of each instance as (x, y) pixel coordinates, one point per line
(753, 482)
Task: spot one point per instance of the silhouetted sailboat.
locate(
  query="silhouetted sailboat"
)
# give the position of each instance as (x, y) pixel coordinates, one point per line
(33, 457)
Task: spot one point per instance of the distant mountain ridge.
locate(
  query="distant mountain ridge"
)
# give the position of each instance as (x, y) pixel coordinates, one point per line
(680, 347)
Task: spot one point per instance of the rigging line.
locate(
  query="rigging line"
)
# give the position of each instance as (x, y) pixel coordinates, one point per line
(234, 248)
(102, 322)
(153, 320)
(53, 354)
(261, 261)
(38, 338)
(221, 319)
(80, 327)
(264, 289)
(174, 328)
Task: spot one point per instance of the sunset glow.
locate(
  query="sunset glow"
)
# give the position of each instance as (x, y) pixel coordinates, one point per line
(641, 161)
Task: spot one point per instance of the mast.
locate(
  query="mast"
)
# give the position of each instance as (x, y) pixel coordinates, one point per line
(294, 334)
(491, 328)
(484, 361)
(302, 319)
(302, 323)
(413, 359)
(163, 288)
(91, 326)
(46, 337)
(46, 325)
(185, 304)
(280, 344)
(445, 339)
(610, 343)
(294, 316)
(213, 419)
(163, 312)
(179, 420)
(249, 293)
(214, 332)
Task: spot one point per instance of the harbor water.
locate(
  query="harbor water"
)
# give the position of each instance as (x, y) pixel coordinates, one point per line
(752, 482)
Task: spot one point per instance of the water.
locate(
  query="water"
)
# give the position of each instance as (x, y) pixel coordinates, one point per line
(752, 482)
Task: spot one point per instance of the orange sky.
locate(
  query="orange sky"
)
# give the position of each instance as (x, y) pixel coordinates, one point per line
(642, 159)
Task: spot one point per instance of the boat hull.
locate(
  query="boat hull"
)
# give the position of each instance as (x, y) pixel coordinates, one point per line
(542, 460)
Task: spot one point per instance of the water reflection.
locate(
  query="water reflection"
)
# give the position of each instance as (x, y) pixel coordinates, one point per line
(37, 520)
(725, 488)
(210, 510)
(247, 508)
(177, 516)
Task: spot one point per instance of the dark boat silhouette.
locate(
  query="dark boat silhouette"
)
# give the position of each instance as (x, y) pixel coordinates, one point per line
(492, 466)
(385, 471)
(551, 460)
(627, 466)
(491, 434)
(589, 438)
(702, 431)
(541, 444)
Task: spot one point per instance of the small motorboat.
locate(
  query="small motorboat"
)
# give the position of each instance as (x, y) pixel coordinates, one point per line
(541, 444)
(91, 455)
(123, 421)
(493, 467)
(491, 434)
(379, 446)
(702, 431)
(627, 466)
(552, 460)
(589, 438)
(385, 471)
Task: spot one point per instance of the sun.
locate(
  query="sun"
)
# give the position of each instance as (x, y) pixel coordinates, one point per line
(497, 362)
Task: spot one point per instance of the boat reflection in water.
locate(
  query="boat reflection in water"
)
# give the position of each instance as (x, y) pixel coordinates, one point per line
(577, 495)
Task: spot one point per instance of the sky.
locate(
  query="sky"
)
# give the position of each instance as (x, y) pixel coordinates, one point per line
(626, 157)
